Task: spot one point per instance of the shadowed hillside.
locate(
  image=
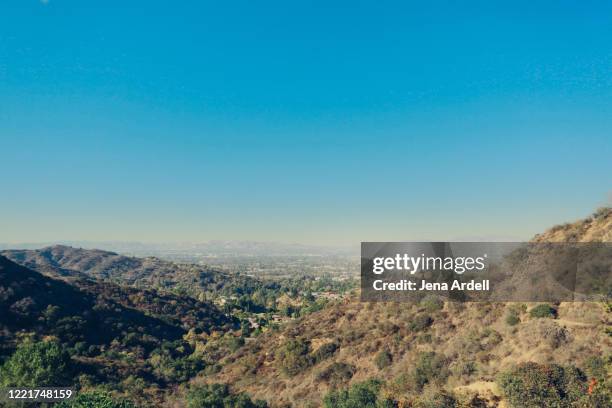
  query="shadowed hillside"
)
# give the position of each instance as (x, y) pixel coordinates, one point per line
(114, 332)
(148, 272)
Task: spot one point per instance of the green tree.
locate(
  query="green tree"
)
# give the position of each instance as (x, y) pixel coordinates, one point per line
(41, 364)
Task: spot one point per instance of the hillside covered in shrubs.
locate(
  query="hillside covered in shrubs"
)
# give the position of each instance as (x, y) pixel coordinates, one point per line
(113, 334)
(437, 354)
(151, 272)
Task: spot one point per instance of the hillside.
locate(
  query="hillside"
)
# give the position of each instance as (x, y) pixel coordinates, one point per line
(114, 332)
(197, 281)
(80, 295)
(596, 228)
(125, 332)
(425, 352)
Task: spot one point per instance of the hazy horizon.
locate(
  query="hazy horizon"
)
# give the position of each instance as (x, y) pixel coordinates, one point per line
(160, 244)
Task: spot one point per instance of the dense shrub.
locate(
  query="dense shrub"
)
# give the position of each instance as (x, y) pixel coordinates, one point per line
(294, 357)
(598, 396)
(512, 318)
(430, 367)
(600, 385)
(532, 385)
(42, 364)
(543, 310)
(596, 367)
(337, 373)
(219, 396)
(361, 395)
(325, 351)
(383, 359)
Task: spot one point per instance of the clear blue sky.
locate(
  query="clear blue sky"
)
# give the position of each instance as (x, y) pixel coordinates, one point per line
(317, 122)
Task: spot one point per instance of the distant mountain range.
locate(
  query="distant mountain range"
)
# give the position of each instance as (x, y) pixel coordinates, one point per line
(209, 248)
(150, 272)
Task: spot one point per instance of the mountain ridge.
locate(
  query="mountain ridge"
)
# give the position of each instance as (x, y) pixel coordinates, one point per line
(149, 272)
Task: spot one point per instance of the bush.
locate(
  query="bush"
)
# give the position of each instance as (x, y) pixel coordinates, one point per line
(420, 322)
(337, 373)
(325, 351)
(175, 369)
(219, 396)
(430, 367)
(294, 357)
(554, 335)
(42, 364)
(596, 367)
(94, 399)
(490, 338)
(512, 318)
(383, 359)
(599, 396)
(542, 311)
(360, 395)
(532, 385)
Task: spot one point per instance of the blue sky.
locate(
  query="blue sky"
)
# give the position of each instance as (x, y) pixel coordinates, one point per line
(314, 122)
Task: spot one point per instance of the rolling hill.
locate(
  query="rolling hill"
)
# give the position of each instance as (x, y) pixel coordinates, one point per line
(194, 280)
(114, 332)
